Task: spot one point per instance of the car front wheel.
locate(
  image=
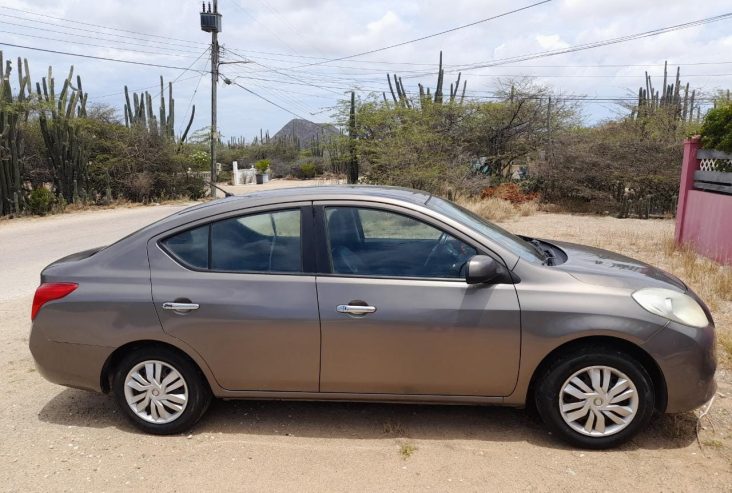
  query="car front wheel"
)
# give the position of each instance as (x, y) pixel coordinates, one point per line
(160, 391)
(595, 398)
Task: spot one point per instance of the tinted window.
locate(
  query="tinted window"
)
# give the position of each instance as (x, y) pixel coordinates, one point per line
(267, 242)
(190, 247)
(512, 242)
(382, 243)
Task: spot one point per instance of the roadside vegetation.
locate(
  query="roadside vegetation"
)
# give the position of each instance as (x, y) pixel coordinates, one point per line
(510, 153)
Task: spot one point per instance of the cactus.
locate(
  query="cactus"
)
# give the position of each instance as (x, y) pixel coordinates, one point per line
(13, 112)
(650, 100)
(399, 94)
(139, 112)
(62, 136)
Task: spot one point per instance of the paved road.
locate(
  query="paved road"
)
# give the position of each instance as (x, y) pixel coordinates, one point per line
(28, 245)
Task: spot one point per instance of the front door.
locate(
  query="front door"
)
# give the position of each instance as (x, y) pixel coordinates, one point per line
(236, 291)
(397, 316)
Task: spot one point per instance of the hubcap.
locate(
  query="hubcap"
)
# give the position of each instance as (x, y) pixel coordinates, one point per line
(156, 392)
(598, 401)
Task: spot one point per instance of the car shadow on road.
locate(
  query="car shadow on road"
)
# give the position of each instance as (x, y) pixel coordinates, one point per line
(357, 421)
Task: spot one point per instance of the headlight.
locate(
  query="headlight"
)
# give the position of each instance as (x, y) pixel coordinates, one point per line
(672, 305)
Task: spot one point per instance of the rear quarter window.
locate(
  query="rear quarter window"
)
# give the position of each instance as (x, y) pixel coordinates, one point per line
(190, 247)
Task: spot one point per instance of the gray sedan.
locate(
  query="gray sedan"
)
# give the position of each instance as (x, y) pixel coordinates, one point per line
(370, 294)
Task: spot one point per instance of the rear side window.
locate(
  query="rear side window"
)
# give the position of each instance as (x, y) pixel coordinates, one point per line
(190, 247)
(260, 243)
(266, 242)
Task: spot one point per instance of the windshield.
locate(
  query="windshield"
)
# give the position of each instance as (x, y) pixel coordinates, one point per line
(507, 240)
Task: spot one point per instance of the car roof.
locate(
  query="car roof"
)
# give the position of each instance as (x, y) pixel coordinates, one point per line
(313, 192)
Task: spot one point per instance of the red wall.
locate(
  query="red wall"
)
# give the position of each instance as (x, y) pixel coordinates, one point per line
(703, 219)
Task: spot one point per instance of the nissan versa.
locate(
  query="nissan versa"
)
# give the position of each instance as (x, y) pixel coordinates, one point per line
(370, 294)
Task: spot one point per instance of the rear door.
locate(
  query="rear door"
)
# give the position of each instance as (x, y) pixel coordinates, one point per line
(397, 316)
(241, 292)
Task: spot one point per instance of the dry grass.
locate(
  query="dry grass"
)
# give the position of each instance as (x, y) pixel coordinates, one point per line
(495, 209)
(648, 240)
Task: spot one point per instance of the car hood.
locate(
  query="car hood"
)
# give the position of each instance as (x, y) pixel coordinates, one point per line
(602, 267)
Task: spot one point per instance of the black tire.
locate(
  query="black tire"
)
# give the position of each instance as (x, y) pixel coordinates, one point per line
(548, 389)
(199, 393)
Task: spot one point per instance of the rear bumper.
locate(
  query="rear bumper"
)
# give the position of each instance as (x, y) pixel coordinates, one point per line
(687, 359)
(72, 365)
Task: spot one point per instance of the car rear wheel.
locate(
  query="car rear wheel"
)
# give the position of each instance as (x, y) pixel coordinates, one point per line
(595, 398)
(160, 391)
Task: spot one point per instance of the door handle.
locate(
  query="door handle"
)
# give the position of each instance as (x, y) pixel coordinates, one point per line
(355, 309)
(180, 307)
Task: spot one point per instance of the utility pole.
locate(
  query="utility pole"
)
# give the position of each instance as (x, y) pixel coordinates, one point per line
(211, 22)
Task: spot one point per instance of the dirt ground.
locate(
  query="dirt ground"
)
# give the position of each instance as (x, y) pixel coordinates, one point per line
(57, 439)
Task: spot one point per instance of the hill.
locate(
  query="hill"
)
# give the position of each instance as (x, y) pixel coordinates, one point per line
(306, 131)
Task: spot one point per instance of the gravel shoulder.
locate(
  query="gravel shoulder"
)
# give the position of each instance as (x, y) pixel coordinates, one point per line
(58, 439)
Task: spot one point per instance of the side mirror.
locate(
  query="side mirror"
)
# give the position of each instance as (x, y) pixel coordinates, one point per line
(482, 269)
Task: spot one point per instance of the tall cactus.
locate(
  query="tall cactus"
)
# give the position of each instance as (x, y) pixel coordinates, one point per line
(440, 81)
(139, 111)
(66, 152)
(13, 112)
(425, 96)
(669, 98)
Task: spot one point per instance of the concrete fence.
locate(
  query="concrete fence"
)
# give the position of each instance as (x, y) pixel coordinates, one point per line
(704, 212)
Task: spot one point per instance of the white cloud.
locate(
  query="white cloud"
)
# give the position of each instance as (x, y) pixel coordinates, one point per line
(551, 42)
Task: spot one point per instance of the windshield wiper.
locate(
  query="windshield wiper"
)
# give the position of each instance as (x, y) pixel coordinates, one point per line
(546, 253)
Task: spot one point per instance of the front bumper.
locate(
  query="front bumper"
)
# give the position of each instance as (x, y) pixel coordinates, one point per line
(687, 359)
(73, 365)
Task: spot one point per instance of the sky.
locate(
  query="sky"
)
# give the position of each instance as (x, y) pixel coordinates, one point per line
(290, 45)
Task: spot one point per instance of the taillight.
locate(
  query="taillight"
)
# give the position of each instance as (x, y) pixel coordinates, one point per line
(50, 291)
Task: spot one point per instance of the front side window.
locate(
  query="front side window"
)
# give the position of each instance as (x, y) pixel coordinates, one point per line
(511, 242)
(266, 242)
(381, 243)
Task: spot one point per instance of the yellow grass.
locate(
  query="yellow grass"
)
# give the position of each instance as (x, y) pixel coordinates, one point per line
(496, 209)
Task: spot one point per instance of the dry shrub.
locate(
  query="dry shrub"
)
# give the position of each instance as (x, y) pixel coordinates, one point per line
(528, 208)
(510, 192)
(495, 209)
(710, 280)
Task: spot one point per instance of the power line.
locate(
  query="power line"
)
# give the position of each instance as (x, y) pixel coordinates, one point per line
(119, 93)
(285, 74)
(447, 67)
(267, 100)
(203, 72)
(100, 26)
(66, 28)
(80, 43)
(238, 6)
(190, 102)
(596, 44)
(118, 60)
(403, 43)
(384, 62)
(602, 76)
